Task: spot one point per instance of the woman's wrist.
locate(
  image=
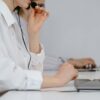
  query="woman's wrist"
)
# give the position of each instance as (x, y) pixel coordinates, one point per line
(33, 34)
(34, 43)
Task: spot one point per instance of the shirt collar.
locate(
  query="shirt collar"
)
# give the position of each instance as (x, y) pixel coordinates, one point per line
(4, 10)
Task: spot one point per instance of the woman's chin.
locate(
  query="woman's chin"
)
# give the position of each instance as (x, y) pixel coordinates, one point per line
(26, 6)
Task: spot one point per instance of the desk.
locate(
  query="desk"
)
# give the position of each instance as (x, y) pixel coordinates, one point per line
(49, 95)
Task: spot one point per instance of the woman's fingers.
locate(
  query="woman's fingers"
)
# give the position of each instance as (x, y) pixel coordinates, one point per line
(36, 18)
(41, 11)
(82, 63)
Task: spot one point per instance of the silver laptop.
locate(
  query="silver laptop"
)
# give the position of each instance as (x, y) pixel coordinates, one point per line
(86, 84)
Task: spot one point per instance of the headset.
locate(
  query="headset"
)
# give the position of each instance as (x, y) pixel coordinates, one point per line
(31, 5)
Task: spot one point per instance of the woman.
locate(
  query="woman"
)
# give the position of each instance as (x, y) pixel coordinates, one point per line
(17, 59)
(23, 17)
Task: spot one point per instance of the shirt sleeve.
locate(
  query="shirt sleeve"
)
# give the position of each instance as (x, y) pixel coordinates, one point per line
(13, 76)
(37, 60)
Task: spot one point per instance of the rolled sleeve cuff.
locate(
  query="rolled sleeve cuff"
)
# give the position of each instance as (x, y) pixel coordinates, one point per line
(34, 80)
(38, 58)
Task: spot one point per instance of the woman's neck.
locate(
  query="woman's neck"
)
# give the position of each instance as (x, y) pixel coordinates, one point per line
(11, 4)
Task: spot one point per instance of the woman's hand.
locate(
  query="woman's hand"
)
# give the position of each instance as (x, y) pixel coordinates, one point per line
(83, 63)
(67, 73)
(36, 19)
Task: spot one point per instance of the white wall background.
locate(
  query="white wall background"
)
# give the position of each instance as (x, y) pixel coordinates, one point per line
(73, 29)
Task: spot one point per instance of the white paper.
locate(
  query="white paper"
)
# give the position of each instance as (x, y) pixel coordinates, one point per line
(69, 87)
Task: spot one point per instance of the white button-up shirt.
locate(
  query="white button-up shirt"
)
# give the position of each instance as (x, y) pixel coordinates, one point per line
(14, 58)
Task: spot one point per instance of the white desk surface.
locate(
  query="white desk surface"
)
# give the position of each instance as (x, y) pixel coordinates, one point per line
(49, 95)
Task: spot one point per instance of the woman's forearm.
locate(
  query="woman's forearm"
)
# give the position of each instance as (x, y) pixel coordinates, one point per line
(51, 81)
(34, 43)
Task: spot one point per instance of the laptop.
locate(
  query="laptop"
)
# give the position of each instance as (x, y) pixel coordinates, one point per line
(86, 84)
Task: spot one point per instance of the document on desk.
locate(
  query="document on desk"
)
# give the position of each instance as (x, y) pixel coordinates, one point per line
(67, 88)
